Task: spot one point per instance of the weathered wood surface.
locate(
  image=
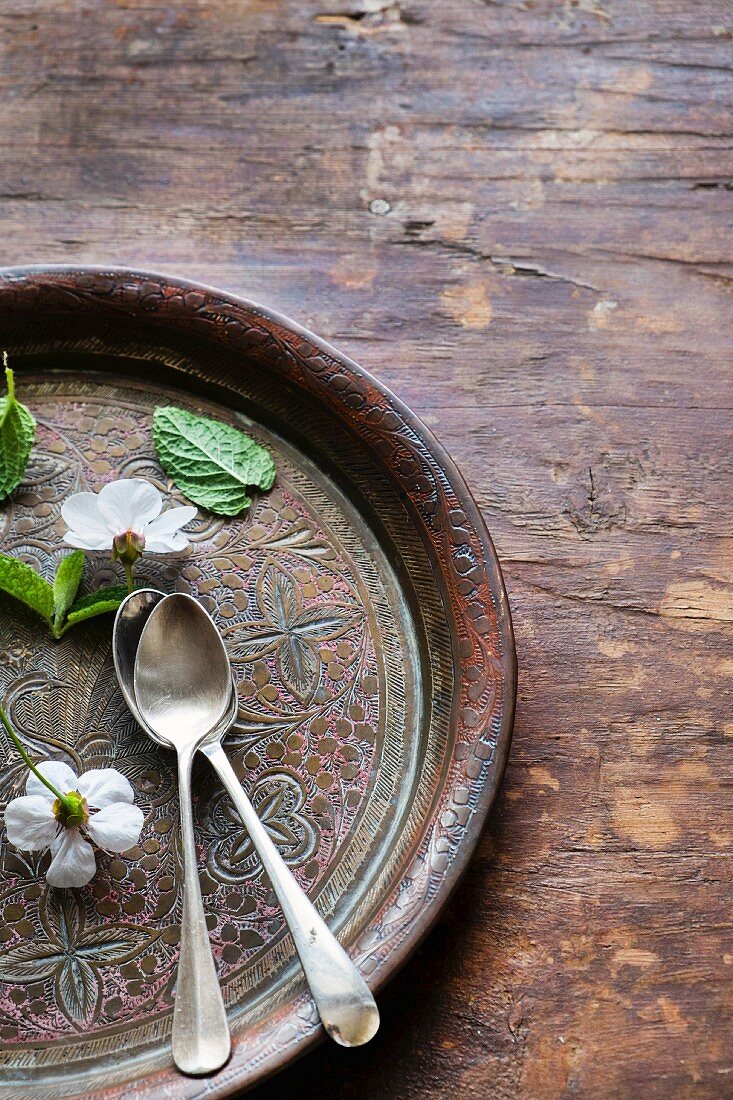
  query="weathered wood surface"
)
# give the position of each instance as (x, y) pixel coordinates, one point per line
(519, 216)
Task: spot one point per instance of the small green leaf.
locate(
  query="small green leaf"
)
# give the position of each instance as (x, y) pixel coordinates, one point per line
(211, 462)
(17, 432)
(53, 602)
(22, 581)
(66, 584)
(104, 595)
(96, 603)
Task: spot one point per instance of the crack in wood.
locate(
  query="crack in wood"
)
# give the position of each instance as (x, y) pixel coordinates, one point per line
(504, 265)
(390, 17)
(712, 185)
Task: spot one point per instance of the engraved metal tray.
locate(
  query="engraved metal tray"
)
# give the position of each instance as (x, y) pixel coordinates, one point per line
(363, 606)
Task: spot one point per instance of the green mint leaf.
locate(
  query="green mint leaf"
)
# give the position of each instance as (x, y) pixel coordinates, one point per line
(96, 603)
(17, 432)
(66, 584)
(53, 602)
(211, 462)
(22, 582)
(104, 595)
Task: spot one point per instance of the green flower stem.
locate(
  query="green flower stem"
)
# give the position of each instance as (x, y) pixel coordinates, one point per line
(128, 576)
(65, 802)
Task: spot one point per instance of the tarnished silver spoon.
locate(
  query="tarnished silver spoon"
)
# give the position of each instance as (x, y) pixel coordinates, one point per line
(183, 685)
(182, 682)
(345, 1004)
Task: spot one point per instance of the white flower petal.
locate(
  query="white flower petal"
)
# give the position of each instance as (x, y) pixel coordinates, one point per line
(116, 828)
(166, 544)
(56, 772)
(81, 514)
(30, 823)
(73, 862)
(129, 504)
(163, 536)
(170, 521)
(87, 541)
(103, 787)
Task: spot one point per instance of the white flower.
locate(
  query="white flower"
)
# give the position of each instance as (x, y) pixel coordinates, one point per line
(35, 821)
(125, 515)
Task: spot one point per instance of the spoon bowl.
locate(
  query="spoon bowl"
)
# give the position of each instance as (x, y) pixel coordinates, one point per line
(130, 620)
(184, 696)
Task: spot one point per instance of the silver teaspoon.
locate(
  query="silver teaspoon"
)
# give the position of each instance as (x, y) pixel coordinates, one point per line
(344, 1002)
(182, 683)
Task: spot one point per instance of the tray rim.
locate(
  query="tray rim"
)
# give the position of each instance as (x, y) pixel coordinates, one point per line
(50, 276)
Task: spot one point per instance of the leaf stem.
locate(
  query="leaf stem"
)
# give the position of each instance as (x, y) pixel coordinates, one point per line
(27, 760)
(10, 382)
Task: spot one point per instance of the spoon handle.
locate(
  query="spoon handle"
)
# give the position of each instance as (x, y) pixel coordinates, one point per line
(201, 1040)
(344, 1002)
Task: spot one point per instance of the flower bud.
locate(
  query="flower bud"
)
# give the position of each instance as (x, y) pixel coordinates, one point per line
(127, 547)
(72, 812)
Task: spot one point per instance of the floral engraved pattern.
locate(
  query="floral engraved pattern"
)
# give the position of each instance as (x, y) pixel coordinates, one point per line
(71, 955)
(289, 630)
(16, 656)
(278, 798)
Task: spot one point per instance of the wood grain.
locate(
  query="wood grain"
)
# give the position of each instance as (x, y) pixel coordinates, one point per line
(518, 215)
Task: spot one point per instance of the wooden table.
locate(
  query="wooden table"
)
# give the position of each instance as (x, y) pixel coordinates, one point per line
(519, 216)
